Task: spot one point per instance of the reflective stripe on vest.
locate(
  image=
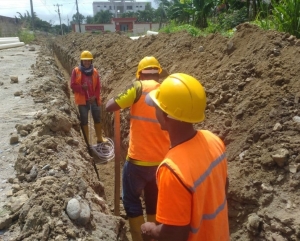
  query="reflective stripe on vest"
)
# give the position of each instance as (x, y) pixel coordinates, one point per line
(207, 172)
(144, 118)
(79, 98)
(147, 141)
(205, 178)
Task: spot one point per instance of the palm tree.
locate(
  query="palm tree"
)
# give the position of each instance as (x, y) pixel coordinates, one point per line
(103, 17)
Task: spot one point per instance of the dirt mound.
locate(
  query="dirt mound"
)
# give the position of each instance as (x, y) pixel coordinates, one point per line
(252, 84)
(56, 194)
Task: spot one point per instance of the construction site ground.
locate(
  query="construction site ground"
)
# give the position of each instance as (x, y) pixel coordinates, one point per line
(253, 91)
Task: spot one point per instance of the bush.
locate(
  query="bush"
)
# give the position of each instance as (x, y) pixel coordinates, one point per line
(173, 27)
(287, 16)
(26, 36)
(233, 18)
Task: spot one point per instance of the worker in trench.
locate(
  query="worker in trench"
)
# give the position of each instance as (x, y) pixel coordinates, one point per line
(85, 83)
(192, 179)
(148, 145)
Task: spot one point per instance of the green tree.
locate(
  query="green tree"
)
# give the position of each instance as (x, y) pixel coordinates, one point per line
(179, 12)
(78, 16)
(25, 19)
(287, 16)
(42, 25)
(129, 15)
(89, 19)
(202, 9)
(148, 15)
(39, 24)
(161, 12)
(103, 17)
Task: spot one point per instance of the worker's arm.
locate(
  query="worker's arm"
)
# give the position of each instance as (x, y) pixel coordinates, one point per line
(173, 210)
(111, 105)
(78, 88)
(164, 232)
(126, 99)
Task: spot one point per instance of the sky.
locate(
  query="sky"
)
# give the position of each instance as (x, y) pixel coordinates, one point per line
(47, 10)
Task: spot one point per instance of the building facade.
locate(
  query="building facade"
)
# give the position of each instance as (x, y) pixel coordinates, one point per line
(117, 7)
(126, 25)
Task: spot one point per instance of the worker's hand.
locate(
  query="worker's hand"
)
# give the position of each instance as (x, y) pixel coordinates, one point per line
(84, 86)
(146, 230)
(92, 99)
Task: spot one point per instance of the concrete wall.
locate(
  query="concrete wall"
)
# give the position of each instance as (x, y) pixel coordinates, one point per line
(142, 28)
(138, 28)
(94, 27)
(8, 27)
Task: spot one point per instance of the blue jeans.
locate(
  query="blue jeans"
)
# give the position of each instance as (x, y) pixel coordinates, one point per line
(135, 179)
(84, 111)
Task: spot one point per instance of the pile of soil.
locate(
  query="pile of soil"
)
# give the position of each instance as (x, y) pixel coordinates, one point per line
(55, 194)
(253, 91)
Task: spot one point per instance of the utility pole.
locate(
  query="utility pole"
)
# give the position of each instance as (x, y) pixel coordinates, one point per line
(59, 17)
(78, 17)
(68, 24)
(32, 16)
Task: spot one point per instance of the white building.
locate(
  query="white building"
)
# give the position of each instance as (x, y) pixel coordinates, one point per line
(117, 7)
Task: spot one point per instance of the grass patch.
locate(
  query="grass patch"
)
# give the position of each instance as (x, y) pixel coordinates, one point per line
(173, 28)
(26, 36)
(212, 28)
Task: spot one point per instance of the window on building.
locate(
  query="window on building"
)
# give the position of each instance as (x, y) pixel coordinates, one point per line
(141, 6)
(129, 8)
(137, 6)
(109, 7)
(104, 6)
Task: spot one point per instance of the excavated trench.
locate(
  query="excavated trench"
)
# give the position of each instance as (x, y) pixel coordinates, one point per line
(252, 85)
(56, 194)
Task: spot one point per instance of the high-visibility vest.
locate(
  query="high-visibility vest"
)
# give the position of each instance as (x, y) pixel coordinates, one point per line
(80, 98)
(201, 166)
(147, 143)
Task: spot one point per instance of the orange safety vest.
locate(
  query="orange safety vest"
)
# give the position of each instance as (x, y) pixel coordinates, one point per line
(80, 98)
(201, 166)
(148, 143)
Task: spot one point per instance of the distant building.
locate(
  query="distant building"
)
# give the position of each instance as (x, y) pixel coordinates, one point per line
(117, 7)
(125, 25)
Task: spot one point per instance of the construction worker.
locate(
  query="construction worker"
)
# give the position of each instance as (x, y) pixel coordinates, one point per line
(148, 145)
(85, 83)
(192, 179)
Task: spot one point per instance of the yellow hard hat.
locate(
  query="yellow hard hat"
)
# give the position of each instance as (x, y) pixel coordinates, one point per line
(181, 96)
(148, 62)
(86, 55)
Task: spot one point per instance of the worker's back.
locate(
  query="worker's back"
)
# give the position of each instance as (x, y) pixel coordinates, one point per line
(147, 141)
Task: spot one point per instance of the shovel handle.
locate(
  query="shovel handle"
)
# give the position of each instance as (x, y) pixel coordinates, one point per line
(117, 162)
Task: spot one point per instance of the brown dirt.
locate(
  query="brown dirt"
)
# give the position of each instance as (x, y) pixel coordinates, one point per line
(253, 90)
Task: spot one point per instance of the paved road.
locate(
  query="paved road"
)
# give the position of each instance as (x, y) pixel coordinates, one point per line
(13, 109)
